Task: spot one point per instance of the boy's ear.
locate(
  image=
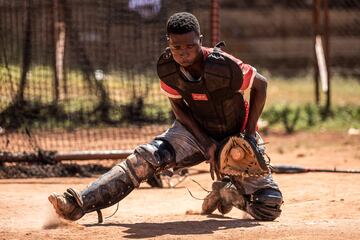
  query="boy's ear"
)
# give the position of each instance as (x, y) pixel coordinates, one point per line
(201, 39)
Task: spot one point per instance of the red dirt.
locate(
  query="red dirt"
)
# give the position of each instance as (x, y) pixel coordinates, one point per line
(317, 205)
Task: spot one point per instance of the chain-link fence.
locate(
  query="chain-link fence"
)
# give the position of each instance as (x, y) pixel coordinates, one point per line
(80, 75)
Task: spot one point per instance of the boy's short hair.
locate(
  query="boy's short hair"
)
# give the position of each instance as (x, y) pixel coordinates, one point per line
(182, 22)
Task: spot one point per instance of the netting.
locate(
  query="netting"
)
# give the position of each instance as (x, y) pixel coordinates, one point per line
(80, 75)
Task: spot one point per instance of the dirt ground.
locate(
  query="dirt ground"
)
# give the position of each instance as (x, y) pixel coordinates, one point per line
(317, 205)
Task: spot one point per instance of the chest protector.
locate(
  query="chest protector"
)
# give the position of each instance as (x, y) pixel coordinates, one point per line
(214, 100)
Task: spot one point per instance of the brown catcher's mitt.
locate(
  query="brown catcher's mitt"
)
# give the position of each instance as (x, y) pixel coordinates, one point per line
(242, 156)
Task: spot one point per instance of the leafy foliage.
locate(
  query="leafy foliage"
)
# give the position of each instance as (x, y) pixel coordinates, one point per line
(312, 117)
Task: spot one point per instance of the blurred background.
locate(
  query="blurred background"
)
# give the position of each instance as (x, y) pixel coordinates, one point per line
(81, 75)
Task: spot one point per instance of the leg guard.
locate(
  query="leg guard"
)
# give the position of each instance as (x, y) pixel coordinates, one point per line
(116, 184)
(109, 189)
(264, 204)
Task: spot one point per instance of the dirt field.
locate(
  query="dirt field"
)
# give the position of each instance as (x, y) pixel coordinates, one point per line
(317, 205)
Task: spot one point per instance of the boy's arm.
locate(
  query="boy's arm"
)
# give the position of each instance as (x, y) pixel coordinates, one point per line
(257, 102)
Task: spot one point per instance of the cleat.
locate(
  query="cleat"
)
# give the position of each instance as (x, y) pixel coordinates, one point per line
(66, 207)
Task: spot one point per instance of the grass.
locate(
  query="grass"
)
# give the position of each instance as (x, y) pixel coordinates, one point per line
(300, 90)
(286, 97)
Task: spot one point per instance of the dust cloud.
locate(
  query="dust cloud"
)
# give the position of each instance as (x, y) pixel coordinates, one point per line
(52, 220)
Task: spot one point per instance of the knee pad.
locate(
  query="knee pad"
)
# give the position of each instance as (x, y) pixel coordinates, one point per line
(158, 153)
(264, 204)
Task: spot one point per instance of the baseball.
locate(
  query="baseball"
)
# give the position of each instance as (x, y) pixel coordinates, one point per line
(237, 153)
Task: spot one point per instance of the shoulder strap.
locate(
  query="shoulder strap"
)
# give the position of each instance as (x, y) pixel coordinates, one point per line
(221, 71)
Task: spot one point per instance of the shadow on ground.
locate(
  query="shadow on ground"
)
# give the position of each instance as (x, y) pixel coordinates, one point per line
(150, 230)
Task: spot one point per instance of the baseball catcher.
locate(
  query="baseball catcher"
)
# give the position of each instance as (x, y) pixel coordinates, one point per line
(206, 88)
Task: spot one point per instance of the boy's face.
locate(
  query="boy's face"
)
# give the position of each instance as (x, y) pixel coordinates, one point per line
(185, 48)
